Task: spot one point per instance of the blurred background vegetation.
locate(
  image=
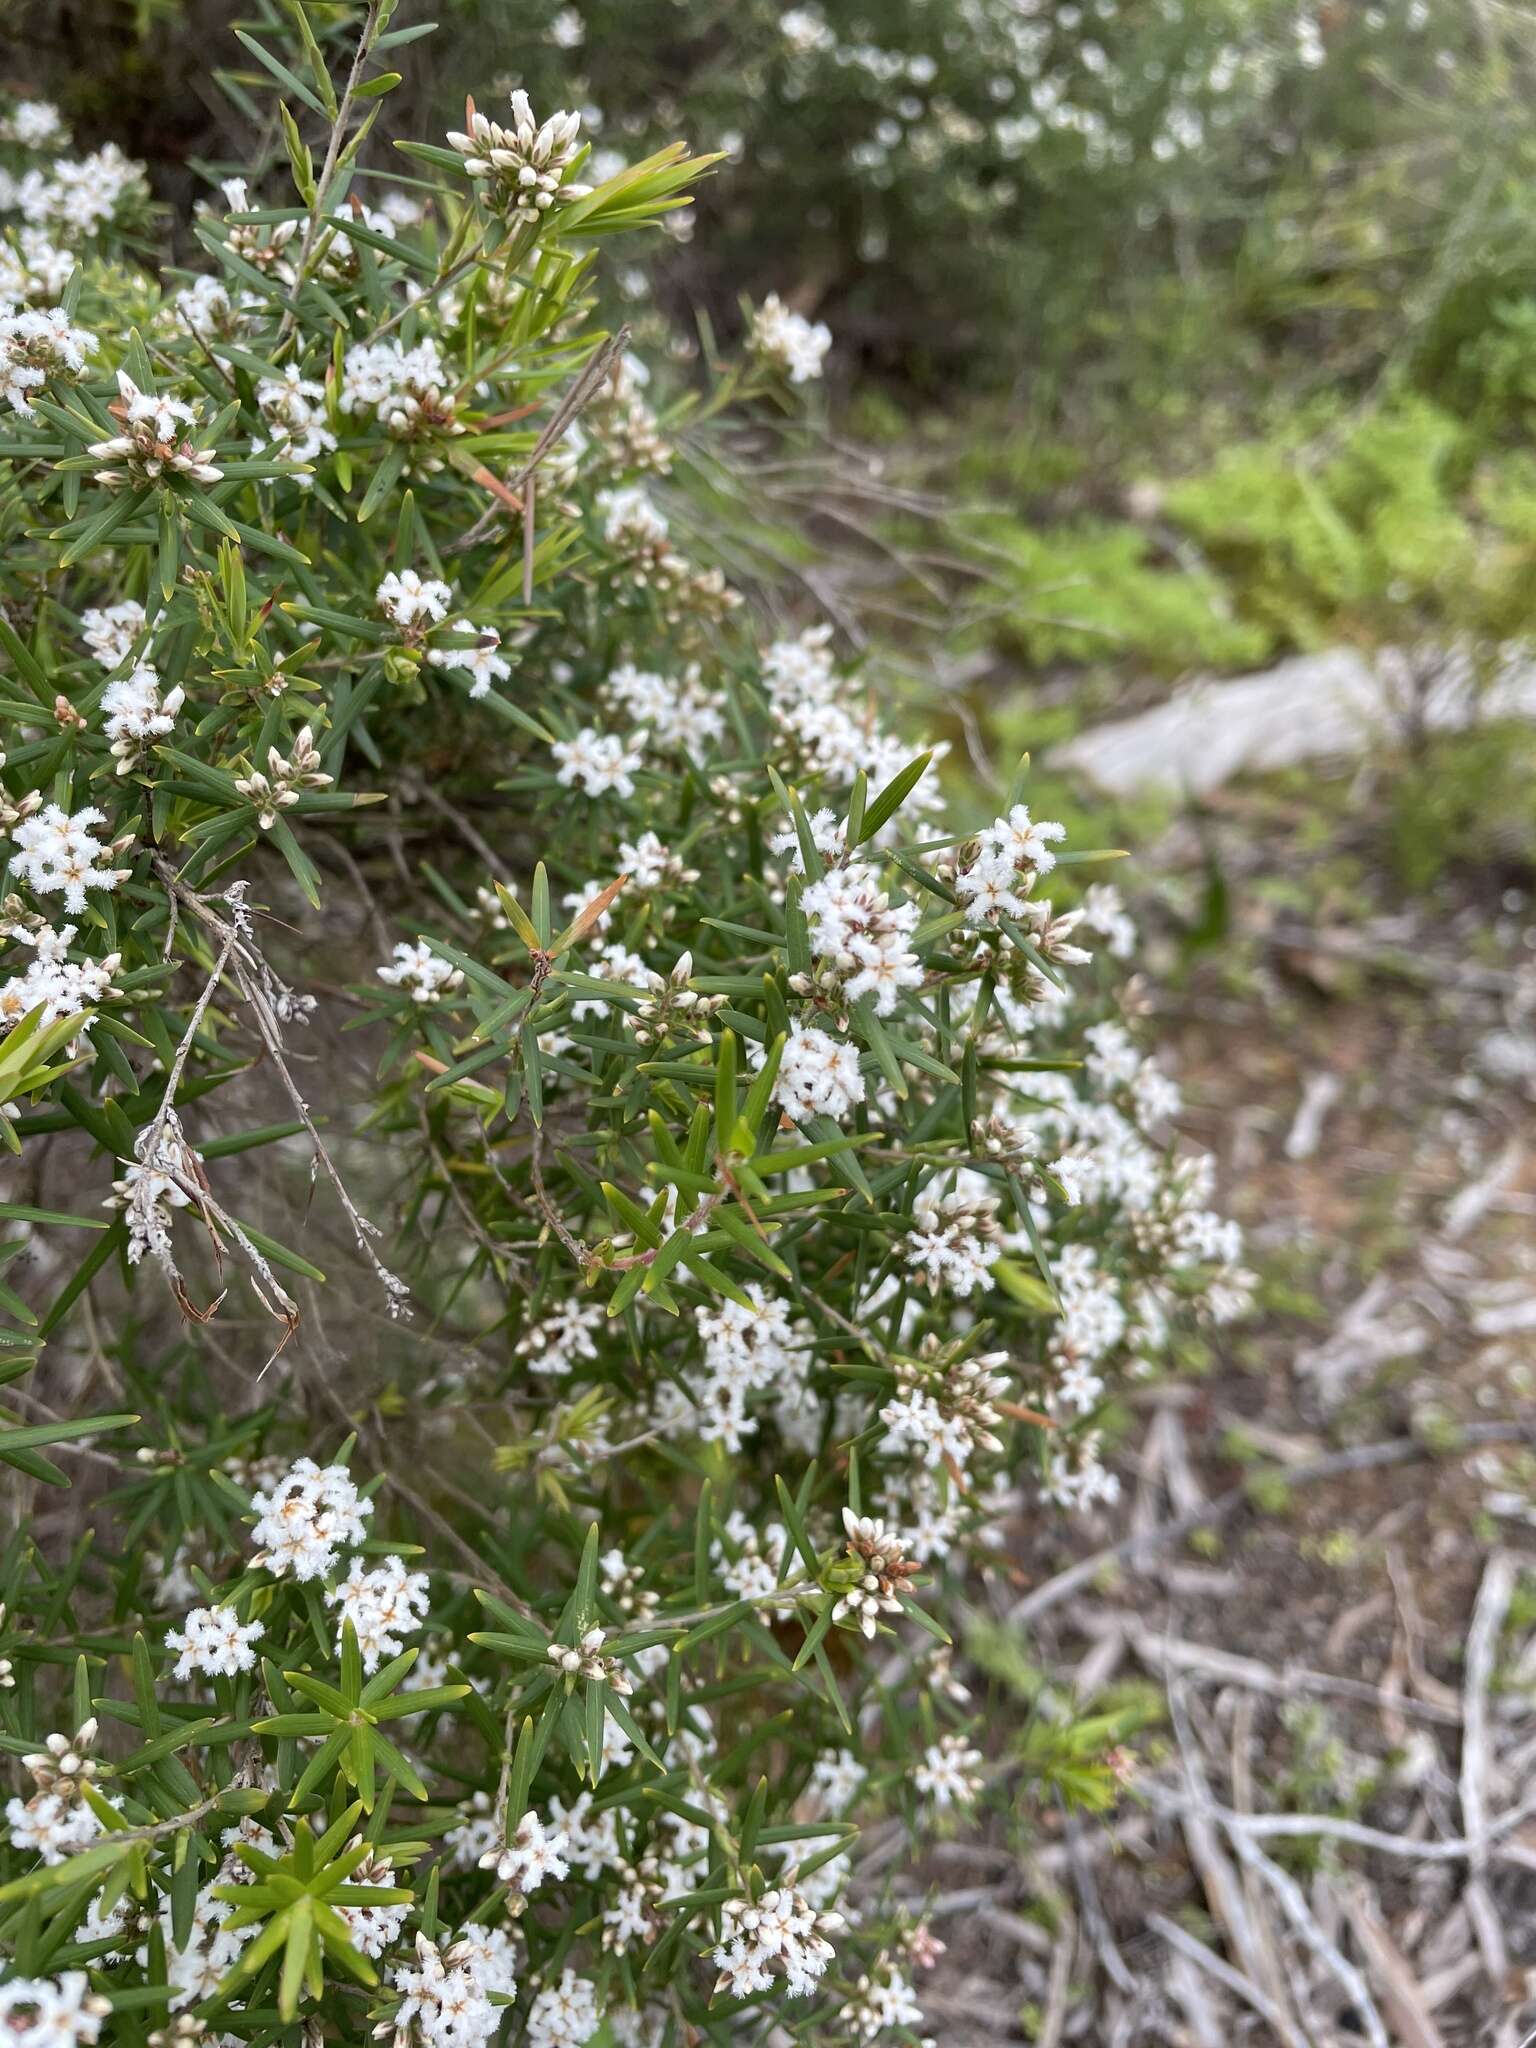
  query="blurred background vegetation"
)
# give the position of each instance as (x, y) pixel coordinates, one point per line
(1218, 317)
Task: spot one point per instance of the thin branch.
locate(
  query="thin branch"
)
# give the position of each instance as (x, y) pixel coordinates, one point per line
(328, 170)
(1131, 1549)
(1196, 1951)
(1493, 1598)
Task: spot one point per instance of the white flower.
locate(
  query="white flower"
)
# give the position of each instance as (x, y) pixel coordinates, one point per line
(305, 1519)
(530, 1855)
(949, 1772)
(482, 661)
(789, 341)
(373, 1929)
(136, 713)
(424, 973)
(838, 1777)
(951, 1243)
(826, 835)
(285, 779)
(443, 2004)
(51, 1825)
(293, 407)
(751, 1565)
(863, 935)
(51, 2012)
(63, 987)
(409, 600)
(31, 265)
(110, 634)
(614, 963)
(56, 854)
(818, 1075)
(648, 865)
(1076, 1476)
(598, 763)
(1010, 856)
(478, 1831)
(746, 1351)
(585, 1659)
(35, 346)
(154, 439)
(215, 1641)
(206, 307)
(885, 1568)
(564, 2015)
(34, 124)
(80, 195)
(404, 209)
(883, 2003)
(408, 389)
(521, 168)
(1104, 912)
(591, 1839)
(806, 29)
(100, 1926)
(800, 671)
(676, 712)
(780, 1930)
(489, 1957)
(630, 519)
(383, 1605)
(563, 1337)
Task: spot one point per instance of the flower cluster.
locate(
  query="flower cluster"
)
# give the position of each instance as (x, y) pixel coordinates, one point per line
(780, 1933)
(37, 345)
(998, 870)
(531, 1855)
(819, 1075)
(383, 1606)
(136, 713)
(788, 340)
(286, 779)
(305, 1518)
(51, 981)
(522, 166)
(154, 441)
(214, 1641)
(57, 854)
(447, 1995)
(425, 975)
(953, 1241)
(57, 1819)
(52, 2012)
(408, 391)
(863, 940)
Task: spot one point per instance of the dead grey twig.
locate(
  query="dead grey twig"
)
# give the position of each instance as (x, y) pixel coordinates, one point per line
(1336, 1465)
(1493, 1598)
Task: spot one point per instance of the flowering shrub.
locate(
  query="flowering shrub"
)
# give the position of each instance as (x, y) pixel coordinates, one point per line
(777, 1222)
(1051, 175)
(1017, 165)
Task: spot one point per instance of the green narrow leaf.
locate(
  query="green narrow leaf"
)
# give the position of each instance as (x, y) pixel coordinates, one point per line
(892, 797)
